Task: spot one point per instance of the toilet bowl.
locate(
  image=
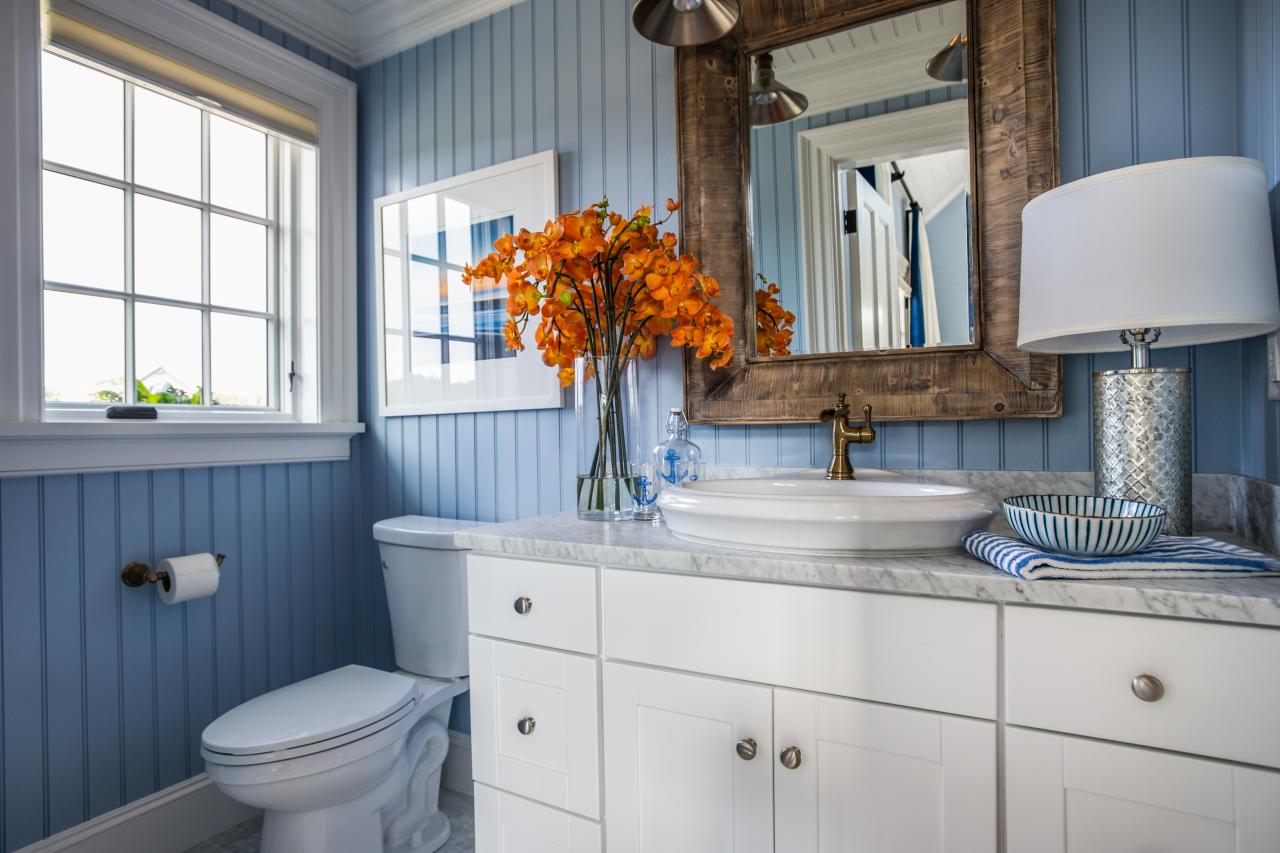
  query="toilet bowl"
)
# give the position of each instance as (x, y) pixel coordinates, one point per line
(349, 761)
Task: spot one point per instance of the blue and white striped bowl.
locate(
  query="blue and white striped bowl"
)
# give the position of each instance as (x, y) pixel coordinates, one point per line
(1083, 525)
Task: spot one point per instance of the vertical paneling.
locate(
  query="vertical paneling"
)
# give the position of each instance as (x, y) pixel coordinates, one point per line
(1135, 80)
(1258, 127)
(104, 691)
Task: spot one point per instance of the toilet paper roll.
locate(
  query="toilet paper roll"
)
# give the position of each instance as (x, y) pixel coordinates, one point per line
(190, 576)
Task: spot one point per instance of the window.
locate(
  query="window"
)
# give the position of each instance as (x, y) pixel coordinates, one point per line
(172, 236)
(173, 257)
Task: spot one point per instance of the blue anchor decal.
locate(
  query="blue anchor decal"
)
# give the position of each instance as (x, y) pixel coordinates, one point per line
(672, 474)
(645, 497)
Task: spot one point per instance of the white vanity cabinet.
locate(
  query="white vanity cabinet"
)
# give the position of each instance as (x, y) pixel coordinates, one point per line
(635, 711)
(1072, 795)
(688, 763)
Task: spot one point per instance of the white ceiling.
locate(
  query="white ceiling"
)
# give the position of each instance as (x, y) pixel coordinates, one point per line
(935, 179)
(359, 32)
(881, 60)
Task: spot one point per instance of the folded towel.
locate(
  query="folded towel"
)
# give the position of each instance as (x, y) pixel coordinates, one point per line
(1167, 557)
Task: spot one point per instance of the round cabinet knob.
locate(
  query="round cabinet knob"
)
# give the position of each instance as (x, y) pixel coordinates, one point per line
(746, 748)
(790, 757)
(1148, 688)
(525, 725)
(523, 604)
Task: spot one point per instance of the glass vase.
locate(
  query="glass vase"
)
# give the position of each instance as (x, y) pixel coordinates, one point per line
(605, 407)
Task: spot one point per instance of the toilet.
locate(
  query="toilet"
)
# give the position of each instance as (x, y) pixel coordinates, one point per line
(349, 761)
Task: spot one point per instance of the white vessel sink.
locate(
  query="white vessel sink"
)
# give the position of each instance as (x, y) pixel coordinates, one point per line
(878, 512)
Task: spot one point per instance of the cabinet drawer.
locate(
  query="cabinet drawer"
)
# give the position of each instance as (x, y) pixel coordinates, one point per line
(506, 823)
(1073, 671)
(920, 652)
(535, 724)
(558, 600)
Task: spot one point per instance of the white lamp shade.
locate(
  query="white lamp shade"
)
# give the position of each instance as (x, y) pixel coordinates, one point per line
(1183, 245)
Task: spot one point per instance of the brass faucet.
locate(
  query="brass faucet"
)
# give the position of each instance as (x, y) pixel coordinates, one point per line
(842, 434)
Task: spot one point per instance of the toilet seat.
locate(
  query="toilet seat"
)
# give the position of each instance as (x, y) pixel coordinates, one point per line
(318, 714)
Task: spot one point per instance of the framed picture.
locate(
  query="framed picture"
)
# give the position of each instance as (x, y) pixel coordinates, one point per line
(440, 342)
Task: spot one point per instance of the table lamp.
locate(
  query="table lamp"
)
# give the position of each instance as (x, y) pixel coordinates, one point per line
(1157, 255)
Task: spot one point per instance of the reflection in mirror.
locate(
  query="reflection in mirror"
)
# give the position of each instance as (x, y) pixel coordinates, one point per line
(860, 199)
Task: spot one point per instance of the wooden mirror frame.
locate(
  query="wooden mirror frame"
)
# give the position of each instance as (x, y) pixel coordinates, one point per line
(1014, 111)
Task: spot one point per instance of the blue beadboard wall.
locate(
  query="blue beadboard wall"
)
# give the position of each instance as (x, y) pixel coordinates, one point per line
(1139, 80)
(103, 690)
(1259, 132)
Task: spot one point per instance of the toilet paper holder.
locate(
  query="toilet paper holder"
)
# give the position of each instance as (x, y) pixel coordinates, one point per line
(136, 574)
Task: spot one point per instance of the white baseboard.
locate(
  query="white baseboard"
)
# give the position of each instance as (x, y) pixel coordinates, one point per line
(457, 765)
(179, 817)
(185, 814)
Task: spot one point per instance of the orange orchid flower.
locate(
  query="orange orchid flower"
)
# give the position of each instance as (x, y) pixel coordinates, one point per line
(597, 283)
(774, 324)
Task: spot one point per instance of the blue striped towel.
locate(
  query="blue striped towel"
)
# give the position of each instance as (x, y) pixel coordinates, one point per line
(1167, 557)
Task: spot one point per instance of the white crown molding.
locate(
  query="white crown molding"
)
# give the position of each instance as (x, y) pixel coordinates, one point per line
(382, 28)
(319, 23)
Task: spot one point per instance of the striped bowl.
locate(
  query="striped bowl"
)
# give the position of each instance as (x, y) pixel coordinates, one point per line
(1082, 525)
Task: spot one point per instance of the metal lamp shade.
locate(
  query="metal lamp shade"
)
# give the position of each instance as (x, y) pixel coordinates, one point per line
(770, 102)
(684, 23)
(951, 63)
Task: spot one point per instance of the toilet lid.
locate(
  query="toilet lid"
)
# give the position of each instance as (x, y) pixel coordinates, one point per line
(325, 706)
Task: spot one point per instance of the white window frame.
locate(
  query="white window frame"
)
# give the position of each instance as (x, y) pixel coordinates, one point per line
(36, 439)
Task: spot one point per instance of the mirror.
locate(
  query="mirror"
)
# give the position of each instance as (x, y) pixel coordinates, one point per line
(860, 188)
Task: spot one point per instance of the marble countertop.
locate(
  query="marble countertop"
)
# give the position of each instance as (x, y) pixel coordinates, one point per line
(564, 537)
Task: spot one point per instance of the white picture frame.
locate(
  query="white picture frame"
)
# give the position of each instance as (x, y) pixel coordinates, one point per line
(431, 361)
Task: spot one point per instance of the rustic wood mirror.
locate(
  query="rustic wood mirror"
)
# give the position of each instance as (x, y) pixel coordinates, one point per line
(1011, 149)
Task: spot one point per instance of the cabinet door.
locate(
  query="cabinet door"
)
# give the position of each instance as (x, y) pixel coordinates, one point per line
(680, 773)
(880, 779)
(535, 724)
(506, 823)
(1067, 795)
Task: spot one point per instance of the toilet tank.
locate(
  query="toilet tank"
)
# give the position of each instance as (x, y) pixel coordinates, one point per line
(425, 574)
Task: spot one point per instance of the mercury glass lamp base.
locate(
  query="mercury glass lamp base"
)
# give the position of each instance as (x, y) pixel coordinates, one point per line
(1142, 439)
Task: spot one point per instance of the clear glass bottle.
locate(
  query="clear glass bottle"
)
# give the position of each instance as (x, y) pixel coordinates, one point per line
(677, 460)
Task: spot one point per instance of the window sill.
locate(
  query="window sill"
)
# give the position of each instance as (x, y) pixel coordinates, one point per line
(74, 447)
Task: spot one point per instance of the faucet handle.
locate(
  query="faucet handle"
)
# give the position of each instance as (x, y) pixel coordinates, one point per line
(866, 416)
(840, 410)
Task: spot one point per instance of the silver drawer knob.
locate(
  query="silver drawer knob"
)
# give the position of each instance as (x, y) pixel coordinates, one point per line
(523, 604)
(746, 748)
(790, 757)
(525, 725)
(1147, 687)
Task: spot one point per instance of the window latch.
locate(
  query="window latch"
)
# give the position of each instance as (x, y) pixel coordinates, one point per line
(293, 374)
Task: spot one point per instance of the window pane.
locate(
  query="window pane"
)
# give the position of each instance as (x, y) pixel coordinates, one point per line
(167, 353)
(457, 226)
(238, 263)
(460, 311)
(83, 348)
(239, 355)
(424, 227)
(391, 226)
(166, 249)
(237, 166)
(82, 112)
(424, 297)
(166, 143)
(83, 232)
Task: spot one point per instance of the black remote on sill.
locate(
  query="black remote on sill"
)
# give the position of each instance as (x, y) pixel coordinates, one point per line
(131, 413)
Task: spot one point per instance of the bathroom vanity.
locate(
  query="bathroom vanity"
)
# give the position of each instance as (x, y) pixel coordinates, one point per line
(636, 693)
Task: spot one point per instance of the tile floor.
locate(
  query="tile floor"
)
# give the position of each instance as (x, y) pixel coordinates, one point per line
(244, 838)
